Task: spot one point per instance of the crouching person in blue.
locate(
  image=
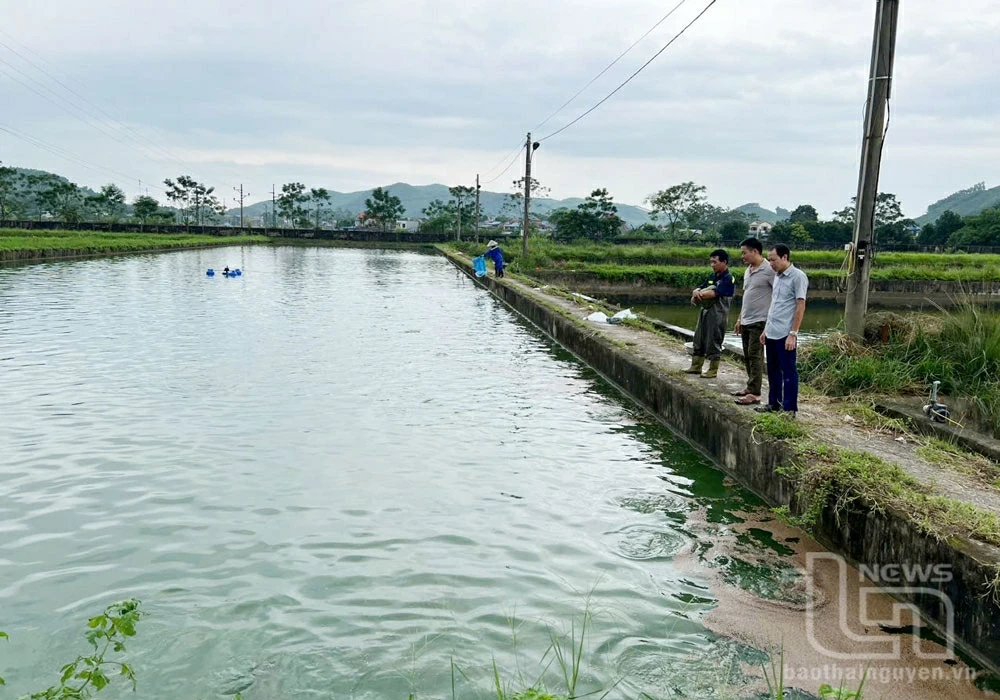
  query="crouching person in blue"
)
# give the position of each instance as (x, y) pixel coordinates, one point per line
(494, 253)
(714, 296)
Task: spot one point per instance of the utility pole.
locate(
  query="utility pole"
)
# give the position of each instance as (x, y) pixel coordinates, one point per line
(274, 212)
(458, 233)
(242, 197)
(876, 111)
(477, 207)
(529, 148)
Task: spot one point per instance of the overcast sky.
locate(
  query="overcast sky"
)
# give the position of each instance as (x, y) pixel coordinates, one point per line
(761, 101)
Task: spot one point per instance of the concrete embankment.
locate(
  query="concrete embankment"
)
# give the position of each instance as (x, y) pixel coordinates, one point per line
(888, 293)
(647, 368)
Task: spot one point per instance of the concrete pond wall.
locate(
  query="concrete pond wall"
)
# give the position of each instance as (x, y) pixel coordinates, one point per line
(859, 532)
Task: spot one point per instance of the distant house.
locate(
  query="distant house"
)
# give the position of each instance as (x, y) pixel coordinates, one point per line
(408, 225)
(365, 221)
(761, 229)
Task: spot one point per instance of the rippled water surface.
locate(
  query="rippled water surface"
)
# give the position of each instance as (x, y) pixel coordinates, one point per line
(329, 478)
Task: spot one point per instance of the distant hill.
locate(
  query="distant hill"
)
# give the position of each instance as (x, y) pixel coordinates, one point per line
(759, 213)
(415, 198)
(22, 187)
(964, 202)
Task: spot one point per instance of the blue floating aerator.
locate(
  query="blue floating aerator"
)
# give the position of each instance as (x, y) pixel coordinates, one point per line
(210, 272)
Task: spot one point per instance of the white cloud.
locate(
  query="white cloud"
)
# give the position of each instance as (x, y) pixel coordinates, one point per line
(759, 101)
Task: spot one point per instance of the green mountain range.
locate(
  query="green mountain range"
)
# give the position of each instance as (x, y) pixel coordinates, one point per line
(964, 202)
(415, 198)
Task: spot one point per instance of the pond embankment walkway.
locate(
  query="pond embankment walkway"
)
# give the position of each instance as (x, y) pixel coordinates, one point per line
(867, 494)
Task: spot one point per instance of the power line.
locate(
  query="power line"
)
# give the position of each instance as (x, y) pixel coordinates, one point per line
(517, 157)
(68, 109)
(503, 160)
(629, 79)
(612, 64)
(138, 138)
(159, 153)
(63, 153)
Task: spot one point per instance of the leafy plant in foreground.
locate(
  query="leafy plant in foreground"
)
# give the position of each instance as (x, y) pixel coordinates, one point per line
(90, 674)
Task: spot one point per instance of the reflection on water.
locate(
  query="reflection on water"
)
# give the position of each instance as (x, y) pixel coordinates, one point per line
(334, 476)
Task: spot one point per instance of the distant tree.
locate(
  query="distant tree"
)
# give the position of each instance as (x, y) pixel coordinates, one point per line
(982, 229)
(781, 232)
(512, 207)
(803, 213)
(947, 224)
(144, 207)
(928, 235)
(384, 208)
(887, 210)
(343, 217)
(846, 215)
(676, 203)
(733, 230)
(596, 218)
(464, 206)
(8, 188)
(829, 231)
(60, 198)
(107, 204)
(179, 193)
(899, 232)
(291, 204)
(193, 199)
(441, 216)
(320, 197)
(799, 234)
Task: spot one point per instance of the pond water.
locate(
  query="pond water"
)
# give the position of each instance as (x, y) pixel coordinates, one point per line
(334, 476)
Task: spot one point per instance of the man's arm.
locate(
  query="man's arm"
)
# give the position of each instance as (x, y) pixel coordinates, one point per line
(793, 336)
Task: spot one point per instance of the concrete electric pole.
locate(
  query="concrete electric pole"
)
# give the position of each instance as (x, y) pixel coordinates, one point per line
(242, 197)
(876, 117)
(477, 207)
(529, 148)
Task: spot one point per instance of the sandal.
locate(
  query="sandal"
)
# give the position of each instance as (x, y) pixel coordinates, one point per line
(741, 392)
(748, 400)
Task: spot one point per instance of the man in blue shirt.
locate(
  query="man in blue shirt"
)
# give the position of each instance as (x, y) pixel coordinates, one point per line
(714, 296)
(494, 253)
(781, 333)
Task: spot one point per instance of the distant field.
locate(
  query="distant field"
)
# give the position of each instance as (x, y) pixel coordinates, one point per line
(41, 245)
(668, 262)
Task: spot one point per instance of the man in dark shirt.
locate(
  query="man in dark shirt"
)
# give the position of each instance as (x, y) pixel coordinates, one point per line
(714, 295)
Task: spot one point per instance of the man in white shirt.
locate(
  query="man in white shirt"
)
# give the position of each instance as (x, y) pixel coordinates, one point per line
(781, 333)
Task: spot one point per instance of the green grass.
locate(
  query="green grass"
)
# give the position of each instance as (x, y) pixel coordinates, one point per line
(778, 426)
(962, 350)
(868, 417)
(953, 457)
(545, 254)
(830, 476)
(30, 245)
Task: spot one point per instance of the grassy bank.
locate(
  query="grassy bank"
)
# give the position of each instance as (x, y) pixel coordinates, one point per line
(610, 261)
(47, 245)
(960, 349)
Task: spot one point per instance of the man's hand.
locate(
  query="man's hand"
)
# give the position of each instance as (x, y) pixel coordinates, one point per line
(695, 297)
(762, 338)
(790, 342)
(739, 327)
